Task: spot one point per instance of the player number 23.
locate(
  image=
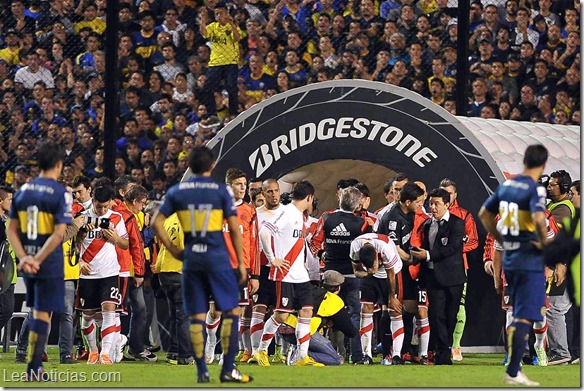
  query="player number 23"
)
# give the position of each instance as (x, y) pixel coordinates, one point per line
(509, 212)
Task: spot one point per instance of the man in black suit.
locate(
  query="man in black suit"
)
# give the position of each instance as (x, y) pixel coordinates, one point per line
(442, 270)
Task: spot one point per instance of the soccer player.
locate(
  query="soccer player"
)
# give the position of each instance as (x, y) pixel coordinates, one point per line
(398, 224)
(201, 205)
(265, 295)
(39, 215)
(282, 240)
(102, 236)
(246, 217)
(520, 203)
(369, 252)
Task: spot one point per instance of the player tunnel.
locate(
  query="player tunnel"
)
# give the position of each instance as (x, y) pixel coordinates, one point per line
(368, 130)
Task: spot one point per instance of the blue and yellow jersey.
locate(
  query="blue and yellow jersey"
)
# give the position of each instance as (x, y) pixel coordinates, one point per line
(515, 200)
(96, 25)
(201, 204)
(145, 44)
(225, 49)
(39, 206)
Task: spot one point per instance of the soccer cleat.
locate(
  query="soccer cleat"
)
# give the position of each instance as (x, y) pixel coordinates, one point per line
(261, 358)
(456, 354)
(397, 360)
(386, 360)
(366, 360)
(45, 357)
(20, 358)
(278, 357)
(554, 359)
(407, 358)
(238, 356)
(541, 357)
(104, 359)
(506, 359)
(244, 356)
(308, 362)
(575, 360)
(209, 353)
(234, 377)
(520, 380)
(93, 358)
(424, 360)
(203, 378)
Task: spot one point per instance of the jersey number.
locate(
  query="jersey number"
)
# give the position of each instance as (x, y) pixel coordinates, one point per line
(205, 210)
(32, 220)
(509, 212)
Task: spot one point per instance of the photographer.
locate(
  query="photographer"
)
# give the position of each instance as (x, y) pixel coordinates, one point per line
(101, 236)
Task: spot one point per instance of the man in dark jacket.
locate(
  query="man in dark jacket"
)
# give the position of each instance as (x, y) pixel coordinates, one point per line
(442, 270)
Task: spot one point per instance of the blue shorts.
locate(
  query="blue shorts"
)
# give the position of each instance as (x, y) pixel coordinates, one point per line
(45, 294)
(218, 285)
(527, 293)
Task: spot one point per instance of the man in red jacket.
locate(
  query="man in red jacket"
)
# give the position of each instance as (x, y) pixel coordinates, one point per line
(134, 199)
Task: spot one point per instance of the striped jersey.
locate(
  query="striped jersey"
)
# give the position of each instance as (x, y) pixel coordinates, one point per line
(288, 232)
(98, 251)
(38, 206)
(202, 204)
(387, 254)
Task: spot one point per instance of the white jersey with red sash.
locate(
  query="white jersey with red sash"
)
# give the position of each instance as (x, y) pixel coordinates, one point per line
(288, 242)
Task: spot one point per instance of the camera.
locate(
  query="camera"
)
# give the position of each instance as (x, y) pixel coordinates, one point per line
(285, 198)
(101, 222)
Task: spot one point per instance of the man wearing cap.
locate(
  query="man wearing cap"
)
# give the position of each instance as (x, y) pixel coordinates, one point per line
(481, 64)
(10, 52)
(329, 311)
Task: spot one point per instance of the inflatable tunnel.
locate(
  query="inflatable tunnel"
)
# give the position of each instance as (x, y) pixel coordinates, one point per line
(369, 130)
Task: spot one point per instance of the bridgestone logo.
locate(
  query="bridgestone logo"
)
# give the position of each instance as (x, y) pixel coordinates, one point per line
(346, 127)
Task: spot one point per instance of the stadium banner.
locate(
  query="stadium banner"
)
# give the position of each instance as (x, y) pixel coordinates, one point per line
(378, 123)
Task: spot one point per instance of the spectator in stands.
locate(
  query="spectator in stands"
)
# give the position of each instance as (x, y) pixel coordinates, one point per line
(26, 76)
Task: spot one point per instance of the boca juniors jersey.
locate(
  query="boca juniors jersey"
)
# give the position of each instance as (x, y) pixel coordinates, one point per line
(39, 206)
(201, 205)
(515, 200)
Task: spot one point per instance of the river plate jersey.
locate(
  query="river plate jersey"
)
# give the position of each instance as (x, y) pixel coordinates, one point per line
(40, 205)
(201, 205)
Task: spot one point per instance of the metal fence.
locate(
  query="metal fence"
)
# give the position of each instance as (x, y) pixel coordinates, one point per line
(184, 70)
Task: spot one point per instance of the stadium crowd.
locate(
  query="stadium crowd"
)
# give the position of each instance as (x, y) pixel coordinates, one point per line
(178, 91)
(184, 75)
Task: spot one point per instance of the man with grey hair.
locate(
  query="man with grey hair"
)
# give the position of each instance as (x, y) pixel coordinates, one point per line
(339, 230)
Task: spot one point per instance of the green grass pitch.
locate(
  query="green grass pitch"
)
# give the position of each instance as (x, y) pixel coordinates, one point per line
(477, 370)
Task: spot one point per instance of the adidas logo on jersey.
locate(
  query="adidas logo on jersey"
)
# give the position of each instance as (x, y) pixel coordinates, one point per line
(340, 230)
